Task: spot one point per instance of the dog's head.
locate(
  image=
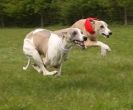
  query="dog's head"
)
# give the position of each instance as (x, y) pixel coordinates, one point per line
(102, 28)
(75, 36)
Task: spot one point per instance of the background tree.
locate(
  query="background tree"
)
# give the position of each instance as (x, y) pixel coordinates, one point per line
(2, 13)
(48, 12)
(47, 9)
(126, 5)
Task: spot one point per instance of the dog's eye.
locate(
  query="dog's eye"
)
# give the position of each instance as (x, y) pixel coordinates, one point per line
(81, 32)
(101, 26)
(74, 33)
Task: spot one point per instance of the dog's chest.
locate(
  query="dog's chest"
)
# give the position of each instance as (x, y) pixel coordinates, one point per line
(55, 53)
(57, 58)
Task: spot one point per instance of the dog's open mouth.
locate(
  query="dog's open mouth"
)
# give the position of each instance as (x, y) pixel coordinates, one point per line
(107, 36)
(80, 43)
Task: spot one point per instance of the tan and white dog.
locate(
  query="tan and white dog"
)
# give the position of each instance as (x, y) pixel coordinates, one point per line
(91, 28)
(47, 48)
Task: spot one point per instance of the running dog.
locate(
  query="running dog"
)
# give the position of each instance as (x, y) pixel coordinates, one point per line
(50, 49)
(91, 28)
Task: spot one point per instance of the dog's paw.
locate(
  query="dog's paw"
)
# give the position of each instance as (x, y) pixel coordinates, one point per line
(55, 72)
(24, 68)
(58, 74)
(104, 49)
(50, 73)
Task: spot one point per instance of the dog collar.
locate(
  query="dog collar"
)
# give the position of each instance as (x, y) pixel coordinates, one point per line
(88, 25)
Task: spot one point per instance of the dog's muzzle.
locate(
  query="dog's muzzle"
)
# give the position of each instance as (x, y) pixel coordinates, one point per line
(110, 33)
(107, 36)
(84, 38)
(81, 43)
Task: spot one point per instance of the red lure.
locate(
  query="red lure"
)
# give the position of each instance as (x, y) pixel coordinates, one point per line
(88, 25)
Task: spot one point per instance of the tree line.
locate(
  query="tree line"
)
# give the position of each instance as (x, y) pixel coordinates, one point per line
(48, 12)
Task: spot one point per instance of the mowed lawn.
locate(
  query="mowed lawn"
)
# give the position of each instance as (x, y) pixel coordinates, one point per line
(88, 82)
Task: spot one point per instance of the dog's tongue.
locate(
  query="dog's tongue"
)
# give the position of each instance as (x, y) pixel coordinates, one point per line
(81, 43)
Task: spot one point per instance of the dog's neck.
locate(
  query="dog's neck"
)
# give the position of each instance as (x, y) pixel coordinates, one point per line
(65, 45)
(95, 29)
(60, 32)
(93, 26)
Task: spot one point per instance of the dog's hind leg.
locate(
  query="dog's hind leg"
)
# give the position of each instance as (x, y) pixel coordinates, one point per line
(37, 68)
(39, 62)
(28, 63)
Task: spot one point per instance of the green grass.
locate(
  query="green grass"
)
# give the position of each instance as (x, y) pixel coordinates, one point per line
(89, 81)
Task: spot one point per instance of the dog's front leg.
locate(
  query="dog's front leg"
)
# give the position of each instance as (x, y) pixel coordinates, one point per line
(45, 63)
(59, 70)
(104, 47)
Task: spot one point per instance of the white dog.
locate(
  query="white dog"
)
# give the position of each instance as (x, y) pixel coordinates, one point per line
(91, 28)
(48, 48)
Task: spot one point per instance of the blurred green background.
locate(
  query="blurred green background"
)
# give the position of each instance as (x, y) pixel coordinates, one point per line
(28, 13)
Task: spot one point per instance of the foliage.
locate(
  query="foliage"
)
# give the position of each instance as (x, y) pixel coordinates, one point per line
(45, 12)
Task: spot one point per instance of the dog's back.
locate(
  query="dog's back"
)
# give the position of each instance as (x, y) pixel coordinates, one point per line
(39, 38)
(79, 24)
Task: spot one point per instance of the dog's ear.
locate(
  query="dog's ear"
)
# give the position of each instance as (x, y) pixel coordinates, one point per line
(63, 34)
(93, 21)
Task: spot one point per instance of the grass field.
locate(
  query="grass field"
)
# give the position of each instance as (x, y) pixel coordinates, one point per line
(89, 81)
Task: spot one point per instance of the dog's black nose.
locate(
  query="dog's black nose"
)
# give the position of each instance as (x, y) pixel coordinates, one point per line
(110, 33)
(85, 38)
